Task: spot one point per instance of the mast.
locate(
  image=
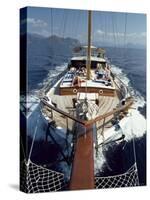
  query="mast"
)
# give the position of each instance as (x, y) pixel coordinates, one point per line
(89, 45)
(82, 175)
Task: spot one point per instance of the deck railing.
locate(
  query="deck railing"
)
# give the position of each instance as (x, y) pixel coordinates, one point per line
(124, 90)
(82, 173)
(128, 103)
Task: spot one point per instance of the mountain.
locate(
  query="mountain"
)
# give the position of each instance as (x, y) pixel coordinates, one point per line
(112, 44)
(44, 54)
(135, 46)
(50, 51)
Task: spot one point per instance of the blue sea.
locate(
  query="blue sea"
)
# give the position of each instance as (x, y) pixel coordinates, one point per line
(130, 65)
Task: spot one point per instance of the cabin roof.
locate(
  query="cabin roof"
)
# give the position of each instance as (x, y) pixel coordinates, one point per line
(93, 58)
(88, 83)
(92, 47)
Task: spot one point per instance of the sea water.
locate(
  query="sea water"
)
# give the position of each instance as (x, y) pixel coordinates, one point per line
(130, 66)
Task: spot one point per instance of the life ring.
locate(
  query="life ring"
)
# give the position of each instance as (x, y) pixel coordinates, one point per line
(75, 90)
(100, 91)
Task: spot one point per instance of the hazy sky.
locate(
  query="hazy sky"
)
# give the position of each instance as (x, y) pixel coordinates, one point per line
(107, 27)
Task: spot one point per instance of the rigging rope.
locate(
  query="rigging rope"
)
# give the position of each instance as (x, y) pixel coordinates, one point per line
(134, 150)
(33, 140)
(105, 29)
(51, 21)
(114, 35)
(125, 31)
(23, 151)
(64, 26)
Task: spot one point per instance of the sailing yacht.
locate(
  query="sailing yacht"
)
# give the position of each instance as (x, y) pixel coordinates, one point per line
(89, 102)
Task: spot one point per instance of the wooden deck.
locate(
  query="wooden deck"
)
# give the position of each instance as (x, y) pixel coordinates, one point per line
(82, 174)
(65, 103)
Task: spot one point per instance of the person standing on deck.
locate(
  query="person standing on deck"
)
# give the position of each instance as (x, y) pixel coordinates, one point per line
(107, 72)
(77, 81)
(100, 71)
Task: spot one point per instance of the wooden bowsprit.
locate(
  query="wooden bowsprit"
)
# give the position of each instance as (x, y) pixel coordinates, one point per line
(82, 176)
(82, 173)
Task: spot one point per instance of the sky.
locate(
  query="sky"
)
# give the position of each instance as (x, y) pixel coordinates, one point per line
(107, 27)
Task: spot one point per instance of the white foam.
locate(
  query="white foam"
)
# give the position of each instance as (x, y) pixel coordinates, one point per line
(135, 123)
(99, 160)
(139, 100)
(138, 120)
(118, 71)
(134, 126)
(61, 67)
(53, 73)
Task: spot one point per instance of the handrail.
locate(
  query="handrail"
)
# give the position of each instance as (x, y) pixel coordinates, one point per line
(86, 123)
(63, 113)
(127, 105)
(118, 88)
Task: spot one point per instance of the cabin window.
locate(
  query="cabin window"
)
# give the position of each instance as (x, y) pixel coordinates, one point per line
(80, 64)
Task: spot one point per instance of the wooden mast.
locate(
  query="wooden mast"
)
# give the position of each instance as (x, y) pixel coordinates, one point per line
(82, 174)
(89, 44)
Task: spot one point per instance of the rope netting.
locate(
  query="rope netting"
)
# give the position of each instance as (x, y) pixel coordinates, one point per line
(36, 179)
(127, 179)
